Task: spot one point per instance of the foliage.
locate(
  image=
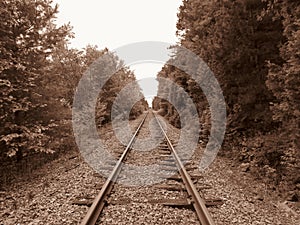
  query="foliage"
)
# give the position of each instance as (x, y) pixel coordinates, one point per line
(38, 77)
(252, 46)
(283, 81)
(228, 36)
(28, 37)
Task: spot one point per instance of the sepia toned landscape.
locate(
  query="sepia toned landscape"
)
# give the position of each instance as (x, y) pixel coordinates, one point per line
(219, 143)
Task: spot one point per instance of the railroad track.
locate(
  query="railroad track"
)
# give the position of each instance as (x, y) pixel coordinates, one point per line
(172, 162)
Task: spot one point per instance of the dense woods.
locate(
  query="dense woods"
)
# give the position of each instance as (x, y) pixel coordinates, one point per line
(38, 77)
(252, 46)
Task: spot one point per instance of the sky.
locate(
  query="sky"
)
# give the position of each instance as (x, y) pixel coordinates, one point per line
(114, 23)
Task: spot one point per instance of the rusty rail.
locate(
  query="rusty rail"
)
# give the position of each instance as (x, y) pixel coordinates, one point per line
(99, 202)
(198, 203)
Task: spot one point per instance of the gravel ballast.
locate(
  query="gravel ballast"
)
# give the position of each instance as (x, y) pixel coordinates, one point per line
(50, 195)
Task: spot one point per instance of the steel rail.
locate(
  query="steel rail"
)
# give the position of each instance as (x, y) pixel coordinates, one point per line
(96, 208)
(198, 203)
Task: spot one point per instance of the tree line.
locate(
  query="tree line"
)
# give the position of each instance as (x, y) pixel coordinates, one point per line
(252, 47)
(38, 77)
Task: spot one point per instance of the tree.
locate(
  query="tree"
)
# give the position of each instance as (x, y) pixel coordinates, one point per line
(28, 37)
(228, 36)
(252, 46)
(283, 81)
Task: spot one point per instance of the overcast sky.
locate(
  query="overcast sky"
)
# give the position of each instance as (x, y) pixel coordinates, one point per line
(114, 23)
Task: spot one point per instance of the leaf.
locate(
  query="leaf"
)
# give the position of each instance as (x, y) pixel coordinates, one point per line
(8, 138)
